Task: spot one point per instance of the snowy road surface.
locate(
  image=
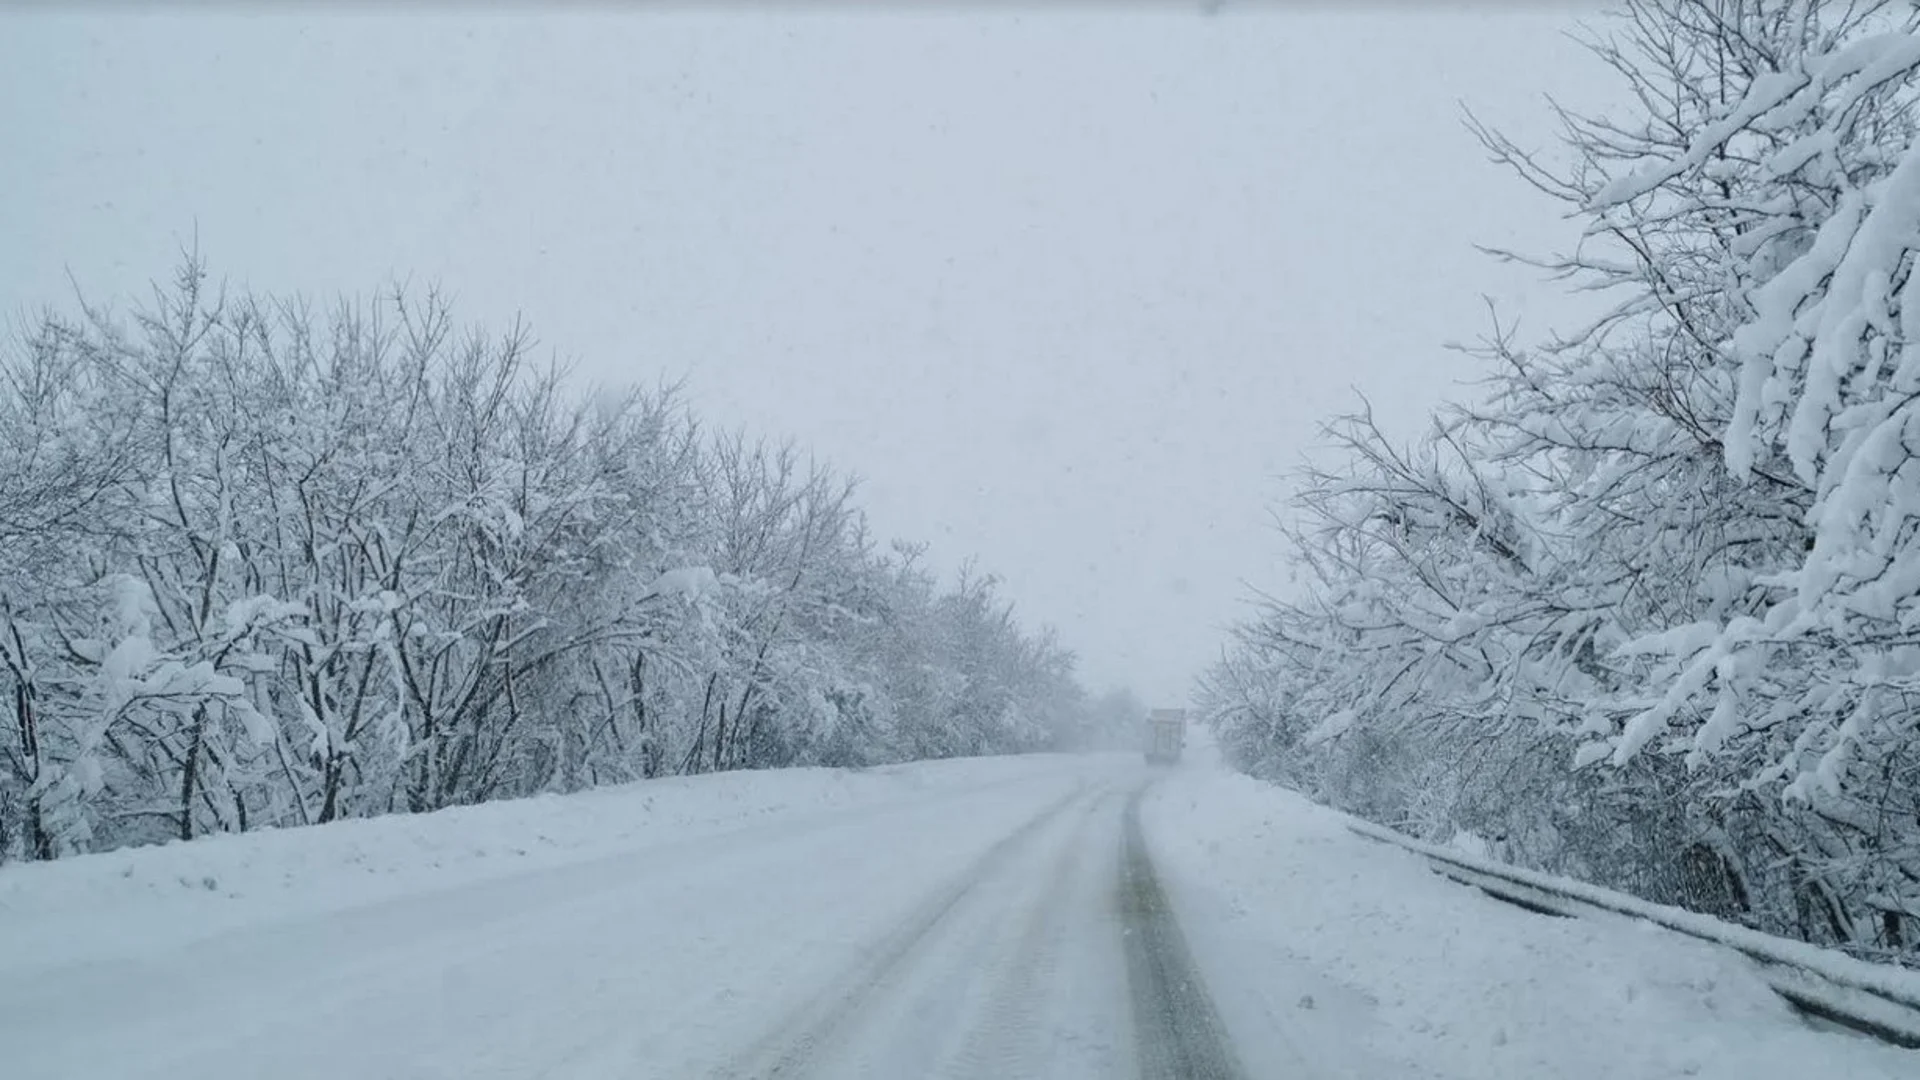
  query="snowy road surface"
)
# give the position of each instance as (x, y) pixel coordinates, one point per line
(967, 931)
(1048, 916)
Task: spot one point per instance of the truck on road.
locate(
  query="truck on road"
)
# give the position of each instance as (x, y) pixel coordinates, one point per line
(1166, 735)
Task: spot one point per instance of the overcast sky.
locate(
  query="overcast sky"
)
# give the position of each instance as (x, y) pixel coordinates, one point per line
(1070, 289)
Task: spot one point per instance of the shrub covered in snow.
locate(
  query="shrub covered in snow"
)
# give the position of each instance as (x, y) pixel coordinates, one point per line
(261, 568)
(1645, 611)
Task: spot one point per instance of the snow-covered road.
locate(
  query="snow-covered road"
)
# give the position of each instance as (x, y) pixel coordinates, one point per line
(973, 930)
(1048, 916)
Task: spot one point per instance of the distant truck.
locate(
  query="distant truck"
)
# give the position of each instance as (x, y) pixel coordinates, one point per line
(1166, 735)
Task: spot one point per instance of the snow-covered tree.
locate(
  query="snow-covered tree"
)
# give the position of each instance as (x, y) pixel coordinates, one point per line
(262, 567)
(1673, 549)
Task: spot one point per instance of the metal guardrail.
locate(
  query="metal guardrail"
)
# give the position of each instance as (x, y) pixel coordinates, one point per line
(1873, 999)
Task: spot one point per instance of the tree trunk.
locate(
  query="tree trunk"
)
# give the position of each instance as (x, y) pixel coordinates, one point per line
(637, 698)
(190, 771)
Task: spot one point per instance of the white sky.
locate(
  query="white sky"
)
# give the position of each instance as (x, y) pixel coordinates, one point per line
(1070, 288)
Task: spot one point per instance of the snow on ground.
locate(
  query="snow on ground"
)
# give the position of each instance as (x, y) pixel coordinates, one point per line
(673, 929)
(963, 918)
(1328, 953)
(75, 908)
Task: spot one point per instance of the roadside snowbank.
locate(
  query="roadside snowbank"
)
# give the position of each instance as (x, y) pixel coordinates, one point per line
(1297, 922)
(62, 911)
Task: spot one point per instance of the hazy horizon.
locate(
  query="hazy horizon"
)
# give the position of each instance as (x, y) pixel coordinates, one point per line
(1069, 290)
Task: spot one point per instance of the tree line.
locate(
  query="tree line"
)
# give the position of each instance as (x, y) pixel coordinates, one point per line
(1646, 610)
(263, 565)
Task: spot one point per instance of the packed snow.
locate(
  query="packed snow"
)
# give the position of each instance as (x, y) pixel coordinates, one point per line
(967, 916)
(149, 899)
(648, 931)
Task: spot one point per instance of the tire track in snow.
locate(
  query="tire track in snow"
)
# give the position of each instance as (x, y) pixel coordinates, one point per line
(1177, 1033)
(1002, 1040)
(792, 1048)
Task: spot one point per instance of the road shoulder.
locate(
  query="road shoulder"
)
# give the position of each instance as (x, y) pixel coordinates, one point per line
(1334, 956)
